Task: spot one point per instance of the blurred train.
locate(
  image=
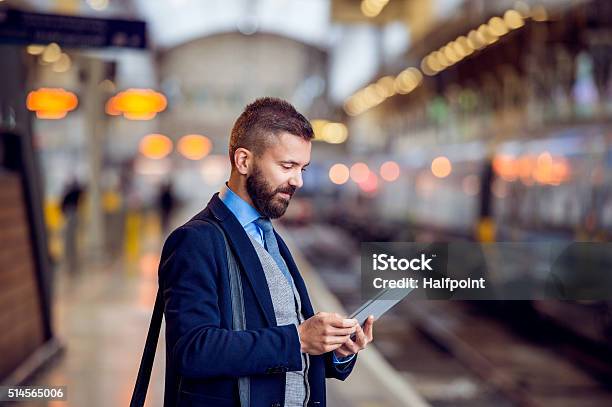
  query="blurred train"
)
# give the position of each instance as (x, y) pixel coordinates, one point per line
(556, 187)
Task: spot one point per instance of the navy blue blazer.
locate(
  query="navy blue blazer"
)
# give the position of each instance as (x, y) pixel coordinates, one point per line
(204, 357)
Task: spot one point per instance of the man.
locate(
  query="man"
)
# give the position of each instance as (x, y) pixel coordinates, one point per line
(286, 351)
(70, 208)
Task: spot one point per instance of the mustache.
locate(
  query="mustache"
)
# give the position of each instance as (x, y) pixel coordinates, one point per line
(289, 189)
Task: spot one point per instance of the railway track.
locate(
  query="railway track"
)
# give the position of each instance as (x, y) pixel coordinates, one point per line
(528, 372)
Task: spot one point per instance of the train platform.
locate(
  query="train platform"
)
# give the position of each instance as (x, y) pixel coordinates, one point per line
(102, 316)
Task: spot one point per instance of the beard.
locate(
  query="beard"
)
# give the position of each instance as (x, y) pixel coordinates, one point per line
(265, 197)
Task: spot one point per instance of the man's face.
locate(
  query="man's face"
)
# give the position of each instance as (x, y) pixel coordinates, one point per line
(277, 174)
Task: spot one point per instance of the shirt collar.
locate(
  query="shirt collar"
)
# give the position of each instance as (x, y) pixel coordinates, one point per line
(243, 211)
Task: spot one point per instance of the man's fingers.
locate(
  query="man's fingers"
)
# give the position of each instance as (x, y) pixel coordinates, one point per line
(368, 328)
(334, 340)
(360, 337)
(344, 322)
(329, 348)
(336, 320)
(340, 331)
(351, 346)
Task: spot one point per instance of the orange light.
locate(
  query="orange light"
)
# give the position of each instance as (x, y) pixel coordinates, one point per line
(550, 170)
(506, 167)
(194, 146)
(545, 159)
(526, 164)
(543, 169)
(137, 104)
(390, 171)
(441, 167)
(359, 172)
(560, 170)
(111, 107)
(51, 103)
(155, 146)
(339, 174)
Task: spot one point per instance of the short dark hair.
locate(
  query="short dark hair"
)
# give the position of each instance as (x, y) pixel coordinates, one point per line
(263, 118)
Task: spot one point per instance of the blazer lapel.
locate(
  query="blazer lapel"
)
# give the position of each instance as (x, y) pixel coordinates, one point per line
(307, 309)
(245, 254)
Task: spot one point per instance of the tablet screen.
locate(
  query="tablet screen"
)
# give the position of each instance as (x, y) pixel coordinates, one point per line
(380, 303)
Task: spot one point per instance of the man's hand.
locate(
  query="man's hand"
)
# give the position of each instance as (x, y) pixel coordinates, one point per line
(324, 332)
(362, 338)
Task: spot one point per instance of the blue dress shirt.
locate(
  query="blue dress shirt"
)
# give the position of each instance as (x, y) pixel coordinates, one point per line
(247, 215)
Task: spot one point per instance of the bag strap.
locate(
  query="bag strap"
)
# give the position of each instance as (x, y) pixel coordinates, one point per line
(238, 323)
(238, 315)
(146, 364)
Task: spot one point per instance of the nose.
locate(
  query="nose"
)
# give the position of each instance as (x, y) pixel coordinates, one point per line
(296, 180)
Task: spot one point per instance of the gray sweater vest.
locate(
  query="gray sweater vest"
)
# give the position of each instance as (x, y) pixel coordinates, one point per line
(287, 310)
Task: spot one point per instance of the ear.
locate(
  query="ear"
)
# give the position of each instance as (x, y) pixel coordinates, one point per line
(242, 160)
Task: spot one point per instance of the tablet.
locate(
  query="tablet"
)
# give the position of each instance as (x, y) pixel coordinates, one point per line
(380, 303)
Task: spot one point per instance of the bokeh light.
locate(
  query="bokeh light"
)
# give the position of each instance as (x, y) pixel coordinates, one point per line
(155, 146)
(339, 174)
(194, 146)
(390, 171)
(359, 172)
(441, 167)
(137, 104)
(51, 103)
(370, 185)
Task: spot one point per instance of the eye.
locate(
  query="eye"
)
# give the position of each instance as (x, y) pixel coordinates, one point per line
(304, 169)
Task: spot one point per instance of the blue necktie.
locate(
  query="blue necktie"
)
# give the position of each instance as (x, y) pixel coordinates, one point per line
(272, 245)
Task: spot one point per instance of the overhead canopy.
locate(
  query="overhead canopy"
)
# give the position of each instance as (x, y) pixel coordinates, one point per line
(176, 21)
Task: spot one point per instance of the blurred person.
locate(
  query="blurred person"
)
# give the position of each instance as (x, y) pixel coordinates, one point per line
(166, 204)
(70, 209)
(287, 350)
